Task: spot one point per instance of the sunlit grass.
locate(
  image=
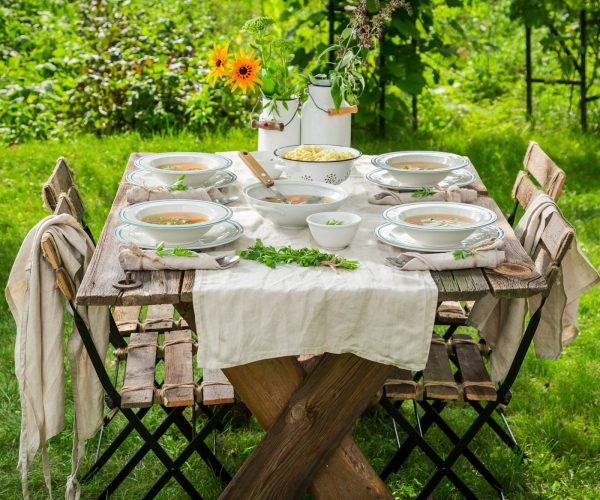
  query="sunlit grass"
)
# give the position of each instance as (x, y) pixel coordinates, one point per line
(555, 411)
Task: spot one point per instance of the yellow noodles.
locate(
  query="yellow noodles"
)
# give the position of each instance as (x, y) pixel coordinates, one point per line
(317, 153)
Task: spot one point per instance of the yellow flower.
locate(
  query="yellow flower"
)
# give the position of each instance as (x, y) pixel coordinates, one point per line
(219, 62)
(244, 72)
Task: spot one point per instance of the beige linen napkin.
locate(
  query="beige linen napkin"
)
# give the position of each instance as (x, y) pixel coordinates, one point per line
(455, 194)
(133, 258)
(138, 194)
(36, 304)
(501, 321)
(490, 255)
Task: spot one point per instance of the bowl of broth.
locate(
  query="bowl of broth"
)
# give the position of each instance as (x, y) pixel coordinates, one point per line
(176, 222)
(197, 168)
(304, 199)
(419, 168)
(439, 223)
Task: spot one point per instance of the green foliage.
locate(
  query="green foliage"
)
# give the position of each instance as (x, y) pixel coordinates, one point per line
(161, 251)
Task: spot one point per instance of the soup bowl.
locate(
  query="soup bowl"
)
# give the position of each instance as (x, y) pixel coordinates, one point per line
(207, 165)
(206, 214)
(294, 215)
(439, 224)
(419, 168)
(328, 171)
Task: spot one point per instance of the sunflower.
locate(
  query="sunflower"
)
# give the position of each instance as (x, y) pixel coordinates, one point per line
(219, 62)
(244, 72)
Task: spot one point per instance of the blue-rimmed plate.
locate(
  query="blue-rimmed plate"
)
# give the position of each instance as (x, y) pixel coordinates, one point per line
(396, 236)
(221, 179)
(383, 179)
(220, 234)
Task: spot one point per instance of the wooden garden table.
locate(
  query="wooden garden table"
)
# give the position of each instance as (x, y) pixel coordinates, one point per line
(308, 416)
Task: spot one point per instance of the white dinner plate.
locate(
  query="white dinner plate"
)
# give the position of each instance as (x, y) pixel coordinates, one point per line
(221, 179)
(397, 237)
(220, 234)
(461, 177)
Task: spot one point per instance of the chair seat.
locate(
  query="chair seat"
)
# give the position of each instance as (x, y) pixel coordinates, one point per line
(470, 382)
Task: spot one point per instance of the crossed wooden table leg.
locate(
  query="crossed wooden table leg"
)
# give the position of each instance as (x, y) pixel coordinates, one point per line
(308, 418)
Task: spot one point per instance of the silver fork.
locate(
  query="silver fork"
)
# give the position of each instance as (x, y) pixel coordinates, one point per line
(395, 262)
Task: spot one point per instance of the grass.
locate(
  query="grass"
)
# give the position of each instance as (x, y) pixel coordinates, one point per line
(555, 411)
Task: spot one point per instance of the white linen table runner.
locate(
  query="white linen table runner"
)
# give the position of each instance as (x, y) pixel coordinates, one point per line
(252, 312)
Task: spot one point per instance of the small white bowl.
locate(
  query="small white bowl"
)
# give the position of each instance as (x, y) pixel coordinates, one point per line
(330, 172)
(288, 215)
(333, 237)
(448, 162)
(269, 162)
(192, 178)
(439, 235)
(175, 234)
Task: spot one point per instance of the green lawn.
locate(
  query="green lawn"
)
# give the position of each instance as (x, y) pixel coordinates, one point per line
(555, 411)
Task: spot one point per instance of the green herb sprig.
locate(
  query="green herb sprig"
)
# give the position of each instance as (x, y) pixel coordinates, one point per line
(423, 193)
(305, 257)
(161, 251)
(178, 185)
(462, 253)
(334, 222)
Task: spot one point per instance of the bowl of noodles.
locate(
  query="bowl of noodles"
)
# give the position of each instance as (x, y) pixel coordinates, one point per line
(317, 162)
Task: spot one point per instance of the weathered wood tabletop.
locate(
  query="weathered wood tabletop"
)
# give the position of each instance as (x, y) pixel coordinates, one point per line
(172, 287)
(308, 414)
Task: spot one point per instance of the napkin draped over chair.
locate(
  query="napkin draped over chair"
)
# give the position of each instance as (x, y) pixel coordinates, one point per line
(37, 306)
(500, 321)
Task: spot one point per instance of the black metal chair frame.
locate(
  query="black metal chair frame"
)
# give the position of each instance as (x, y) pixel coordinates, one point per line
(174, 416)
(432, 415)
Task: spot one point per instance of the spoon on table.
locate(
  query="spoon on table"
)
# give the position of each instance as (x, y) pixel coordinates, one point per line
(226, 200)
(262, 175)
(228, 261)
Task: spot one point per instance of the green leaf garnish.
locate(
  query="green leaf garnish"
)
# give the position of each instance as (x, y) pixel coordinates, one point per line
(305, 257)
(423, 192)
(462, 253)
(334, 222)
(178, 185)
(161, 251)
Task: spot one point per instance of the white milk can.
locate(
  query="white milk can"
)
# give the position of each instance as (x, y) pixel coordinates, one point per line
(278, 126)
(320, 122)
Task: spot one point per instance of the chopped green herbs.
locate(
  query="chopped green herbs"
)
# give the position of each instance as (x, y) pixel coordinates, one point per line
(462, 253)
(423, 192)
(161, 251)
(178, 185)
(305, 257)
(334, 222)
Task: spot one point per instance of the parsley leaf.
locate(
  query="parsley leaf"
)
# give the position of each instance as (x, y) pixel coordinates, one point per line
(462, 253)
(423, 192)
(305, 257)
(178, 185)
(334, 222)
(161, 251)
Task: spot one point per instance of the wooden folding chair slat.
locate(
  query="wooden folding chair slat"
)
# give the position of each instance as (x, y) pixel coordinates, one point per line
(127, 319)
(438, 379)
(541, 167)
(159, 318)
(450, 313)
(400, 386)
(60, 181)
(138, 388)
(216, 388)
(179, 371)
(477, 385)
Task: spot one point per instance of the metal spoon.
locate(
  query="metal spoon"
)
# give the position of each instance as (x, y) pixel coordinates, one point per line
(226, 200)
(262, 175)
(228, 261)
(382, 195)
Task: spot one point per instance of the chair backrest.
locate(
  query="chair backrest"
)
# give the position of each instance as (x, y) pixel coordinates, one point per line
(540, 166)
(60, 193)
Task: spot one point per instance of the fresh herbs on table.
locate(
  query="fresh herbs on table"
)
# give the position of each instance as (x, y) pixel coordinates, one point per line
(178, 185)
(462, 253)
(161, 251)
(305, 257)
(424, 192)
(334, 222)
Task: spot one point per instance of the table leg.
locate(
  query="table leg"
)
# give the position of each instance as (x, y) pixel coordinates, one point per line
(266, 387)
